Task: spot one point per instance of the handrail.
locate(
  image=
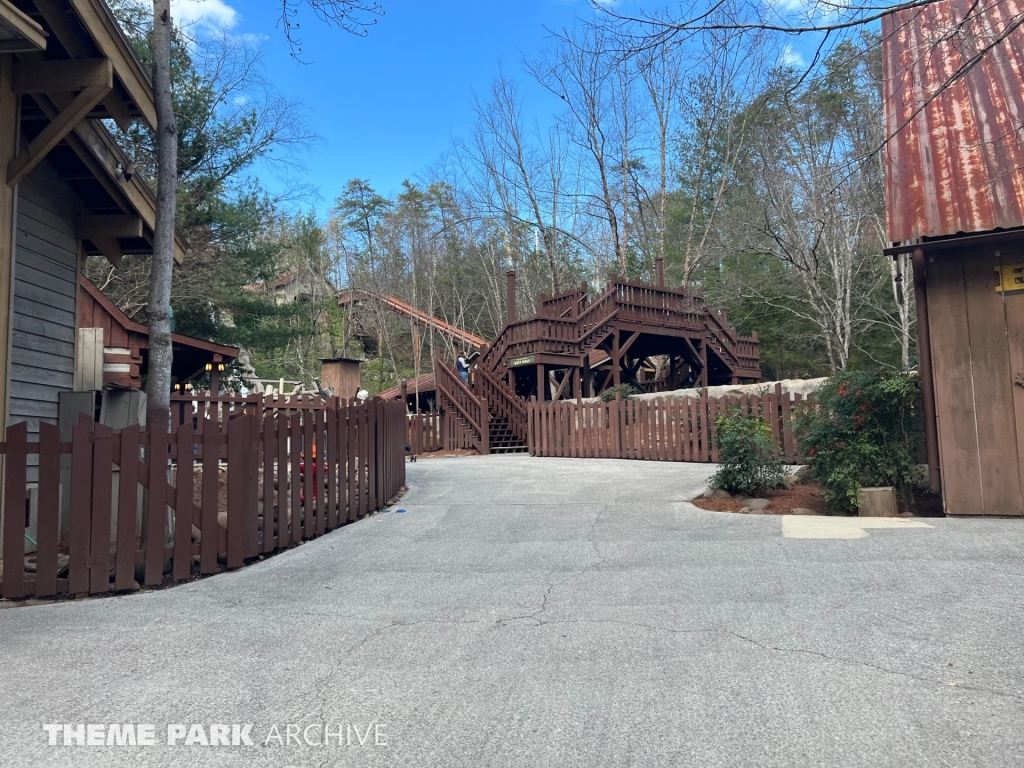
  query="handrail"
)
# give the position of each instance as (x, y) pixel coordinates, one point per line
(500, 396)
(462, 399)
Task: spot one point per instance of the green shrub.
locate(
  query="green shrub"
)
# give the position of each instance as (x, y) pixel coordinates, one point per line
(619, 389)
(748, 456)
(863, 432)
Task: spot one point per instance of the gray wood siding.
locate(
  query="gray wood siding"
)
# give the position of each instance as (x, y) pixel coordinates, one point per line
(42, 360)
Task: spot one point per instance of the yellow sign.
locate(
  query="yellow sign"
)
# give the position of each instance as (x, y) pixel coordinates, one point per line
(1011, 278)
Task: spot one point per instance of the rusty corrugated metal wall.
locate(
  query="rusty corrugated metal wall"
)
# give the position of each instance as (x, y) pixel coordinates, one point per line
(957, 165)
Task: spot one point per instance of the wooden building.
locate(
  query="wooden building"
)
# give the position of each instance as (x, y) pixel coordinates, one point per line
(341, 375)
(69, 192)
(113, 350)
(954, 166)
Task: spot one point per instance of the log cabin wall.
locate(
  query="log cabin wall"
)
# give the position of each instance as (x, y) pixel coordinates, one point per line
(977, 346)
(42, 352)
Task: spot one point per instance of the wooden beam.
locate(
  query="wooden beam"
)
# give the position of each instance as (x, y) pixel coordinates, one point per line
(52, 134)
(90, 227)
(561, 387)
(109, 38)
(8, 146)
(624, 348)
(118, 111)
(62, 76)
(33, 38)
(97, 150)
(110, 248)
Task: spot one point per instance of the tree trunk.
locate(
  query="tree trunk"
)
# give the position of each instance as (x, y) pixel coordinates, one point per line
(158, 383)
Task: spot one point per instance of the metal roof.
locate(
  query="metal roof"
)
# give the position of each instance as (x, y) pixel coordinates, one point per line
(955, 158)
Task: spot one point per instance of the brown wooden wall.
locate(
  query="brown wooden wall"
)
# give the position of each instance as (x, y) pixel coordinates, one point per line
(977, 345)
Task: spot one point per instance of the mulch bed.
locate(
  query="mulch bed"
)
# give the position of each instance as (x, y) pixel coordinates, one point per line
(782, 502)
(808, 496)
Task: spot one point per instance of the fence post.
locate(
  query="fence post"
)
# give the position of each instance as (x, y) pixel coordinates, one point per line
(237, 430)
(14, 511)
(127, 506)
(48, 525)
(183, 498)
(102, 479)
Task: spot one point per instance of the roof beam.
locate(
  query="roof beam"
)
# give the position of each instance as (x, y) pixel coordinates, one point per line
(52, 134)
(112, 43)
(110, 248)
(33, 38)
(90, 227)
(62, 76)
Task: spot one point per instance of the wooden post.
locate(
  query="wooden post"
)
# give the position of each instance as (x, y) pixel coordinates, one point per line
(9, 117)
(924, 357)
(542, 384)
(616, 361)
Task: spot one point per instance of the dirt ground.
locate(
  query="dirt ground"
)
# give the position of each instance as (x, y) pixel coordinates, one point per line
(808, 496)
(782, 502)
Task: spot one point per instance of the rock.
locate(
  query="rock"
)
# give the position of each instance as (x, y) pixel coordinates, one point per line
(802, 511)
(745, 511)
(197, 534)
(718, 493)
(759, 504)
(906, 514)
(788, 482)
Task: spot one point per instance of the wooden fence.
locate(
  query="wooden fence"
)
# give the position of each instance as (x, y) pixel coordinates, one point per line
(423, 432)
(668, 429)
(231, 483)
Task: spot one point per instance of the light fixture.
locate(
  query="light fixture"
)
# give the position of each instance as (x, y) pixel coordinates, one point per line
(220, 366)
(209, 366)
(177, 387)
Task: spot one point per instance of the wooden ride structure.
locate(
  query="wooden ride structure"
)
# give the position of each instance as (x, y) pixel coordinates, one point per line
(577, 346)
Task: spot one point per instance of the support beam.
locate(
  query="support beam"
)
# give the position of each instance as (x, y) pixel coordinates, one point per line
(8, 145)
(90, 227)
(110, 249)
(561, 387)
(110, 41)
(542, 383)
(52, 134)
(924, 358)
(61, 76)
(625, 347)
(616, 360)
(28, 35)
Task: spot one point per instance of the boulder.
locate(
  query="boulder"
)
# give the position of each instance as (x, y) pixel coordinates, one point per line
(759, 504)
(802, 511)
(718, 493)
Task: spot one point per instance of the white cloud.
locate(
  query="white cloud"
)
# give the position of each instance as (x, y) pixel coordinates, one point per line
(792, 58)
(204, 15)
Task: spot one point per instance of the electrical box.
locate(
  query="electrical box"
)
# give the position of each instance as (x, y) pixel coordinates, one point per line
(1011, 278)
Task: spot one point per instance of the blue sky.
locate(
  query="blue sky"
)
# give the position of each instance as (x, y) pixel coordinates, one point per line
(386, 105)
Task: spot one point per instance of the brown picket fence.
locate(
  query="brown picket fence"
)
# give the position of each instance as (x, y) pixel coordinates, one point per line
(423, 432)
(231, 484)
(666, 429)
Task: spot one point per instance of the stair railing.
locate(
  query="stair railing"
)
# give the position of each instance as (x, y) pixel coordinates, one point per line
(503, 402)
(467, 406)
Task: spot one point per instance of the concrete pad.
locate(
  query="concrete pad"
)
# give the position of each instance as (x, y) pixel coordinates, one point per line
(820, 527)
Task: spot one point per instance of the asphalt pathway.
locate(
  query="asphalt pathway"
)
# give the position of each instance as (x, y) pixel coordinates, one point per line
(548, 612)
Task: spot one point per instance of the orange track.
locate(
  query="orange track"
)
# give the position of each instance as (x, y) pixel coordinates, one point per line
(418, 316)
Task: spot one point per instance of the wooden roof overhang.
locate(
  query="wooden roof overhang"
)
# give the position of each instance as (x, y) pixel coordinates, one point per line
(87, 73)
(126, 343)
